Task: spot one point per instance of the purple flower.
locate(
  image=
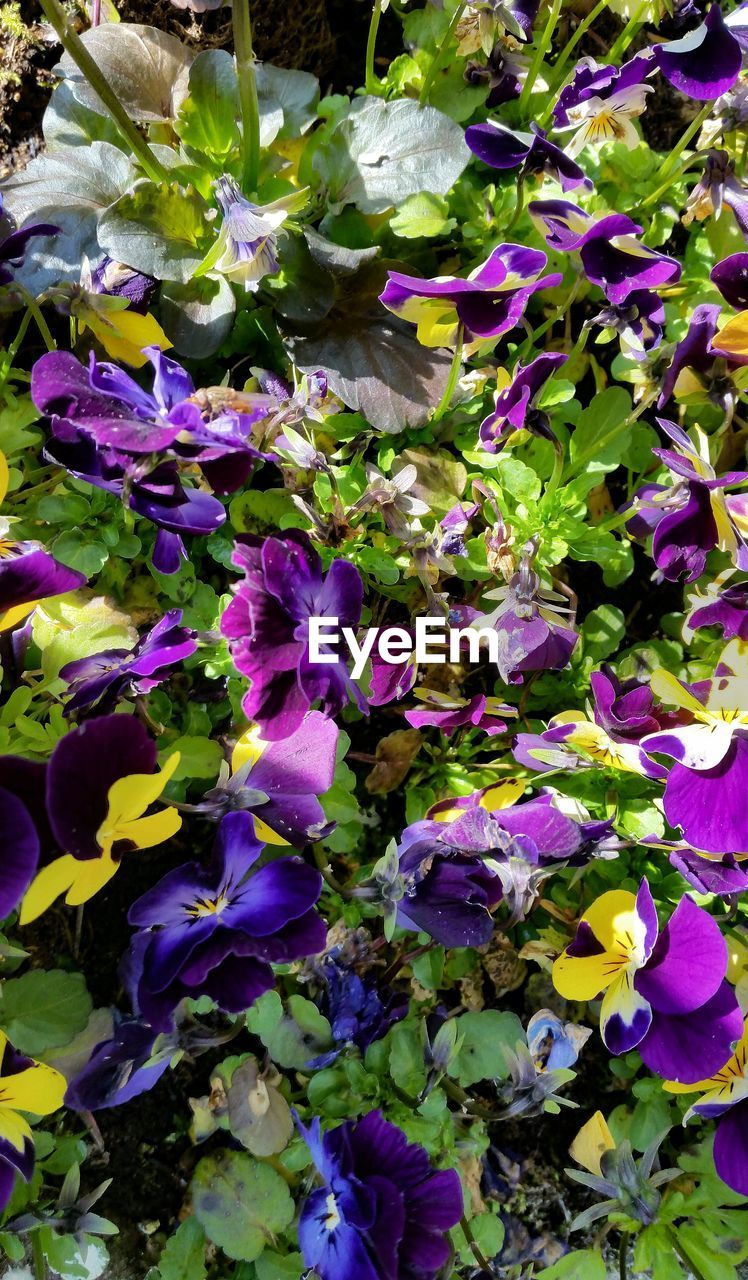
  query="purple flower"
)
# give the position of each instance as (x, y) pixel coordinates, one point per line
(382, 1211)
(120, 281)
(707, 781)
(29, 574)
(25, 834)
(460, 862)
(491, 301)
(448, 713)
(716, 187)
(120, 1068)
(25, 1086)
(267, 627)
(705, 63)
(101, 679)
(600, 102)
(731, 278)
(693, 369)
(358, 1012)
(665, 992)
(725, 1099)
(528, 619)
(530, 153)
(554, 1043)
(215, 931)
(625, 709)
(639, 323)
(13, 243)
(692, 516)
(611, 255)
(279, 782)
(722, 605)
(515, 405)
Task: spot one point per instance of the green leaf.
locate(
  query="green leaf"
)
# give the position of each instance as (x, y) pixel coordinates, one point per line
(146, 68)
(603, 630)
(198, 316)
(241, 1203)
(159, 230)
(200, 757)
(290, 1038)
(486, 1036)
(422, 215)
(407, 1065)
(44, 1009)
(183, 1257)
(584, 1264)
(601, 436)
(208, 116)
(276, 1266)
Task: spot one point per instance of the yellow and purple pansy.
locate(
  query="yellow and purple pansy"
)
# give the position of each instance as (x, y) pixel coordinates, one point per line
(25, 1086)
(664, 992)
(725, 1099)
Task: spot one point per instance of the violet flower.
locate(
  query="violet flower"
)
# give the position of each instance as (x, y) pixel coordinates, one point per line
(382, 1211)
(698, 367)
(600, 102)
(530, 623)
(25, 835)
(725, 1099)
(13, 242)
(665, 992)
(611, 255)
(245, 250)
(448, 713)
(121, 1068)
(705, 63)
(390, 496)
(215, 931)
(490, 302)
(25, 1086)
(267, 627)
(101, 679)
(716, 187)
(515, 405)
(358, 1012)
(731, 278)
(719, 604)
(639, 323)
(529, 153)
(120, 281)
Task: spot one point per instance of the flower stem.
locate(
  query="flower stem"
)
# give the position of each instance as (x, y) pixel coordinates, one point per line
(540, 52)
(440, 55)
(72, 44)
(479, 1257)
(454, 374)
(39, 320)
(371, 81)
(584, 26)
(629, 32)
(671, 160)
(623, 1252)
(37, 1256)
(248, 103)
(687, 1261)
(665, 186)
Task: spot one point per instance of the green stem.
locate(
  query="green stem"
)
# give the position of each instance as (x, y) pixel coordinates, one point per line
(584, 26)
(479, 1257)
(12, 351)
(72, 44)
(629, 32)
(248, 103)
(665, 186)
(682, 1253)
(452, 380)
(37, 1256)
(623, 1251)
(36, 311)
(671, 160)
(520, 204)
(440, 55)
(371, 80)
(557, 472)
(541, 51)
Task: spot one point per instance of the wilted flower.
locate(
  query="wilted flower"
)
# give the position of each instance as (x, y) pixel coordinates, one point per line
(100, 781)
(383, 1209)
(486, 21)
(600, 102)
(25, 1085)
(359, 1012)
(267, 627)
(245, 251)
(102, 678)
(611, 255)
(716, 187)
(515, 404)
(390, 496)
(489, 302)
(705, 63)
(215, 931)
(707, 781)
(120, 281)
(725, 1099)
(665, 993)
(529, 153)
(447, 712)
(122, 1067)
(532, 1090)
(554, 1043)
(632, 1188)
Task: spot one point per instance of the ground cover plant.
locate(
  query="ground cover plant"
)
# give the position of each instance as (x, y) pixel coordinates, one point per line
(374, 644)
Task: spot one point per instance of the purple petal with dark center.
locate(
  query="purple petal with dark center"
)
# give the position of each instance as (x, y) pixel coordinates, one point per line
(705, 63)
(694, 1046)
(709, 804)
(688, 963)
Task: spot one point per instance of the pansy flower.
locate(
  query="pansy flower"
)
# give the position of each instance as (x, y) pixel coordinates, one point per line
(120, 281)
(100, 782)
(28, 573)
(246, 248)
(665, 992)
(267, 627)
(553, 1043)
(528, 153)
(359, 1012)
(13, 242)
(611, 255)
(718, 187)
(601, 102)
(731, 278)
(720, 603)
(706, 783)
(693, 515)
(25, 835)
(25, 1086)
(382, 1211)
(122, 1067)
(279, 782)
(705, 63)
(725, 1099)
(702, 363)
(99, 680)
(515, 404)
(447, 712)
(531, 622)
(486, 21)
(639, 323)
(216, 930)
(490, 302)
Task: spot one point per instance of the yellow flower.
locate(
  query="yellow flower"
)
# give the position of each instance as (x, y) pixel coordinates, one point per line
(38, 1089)
(122, 333)
(591, 1143)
